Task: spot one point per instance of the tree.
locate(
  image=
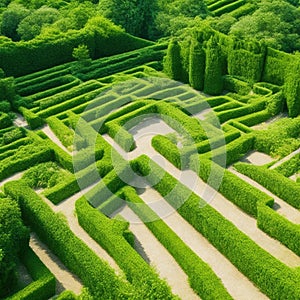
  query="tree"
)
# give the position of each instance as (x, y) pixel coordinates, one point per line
(31, 26)
(11, 19)
(82, 55)
(135, 16)
(172, 62)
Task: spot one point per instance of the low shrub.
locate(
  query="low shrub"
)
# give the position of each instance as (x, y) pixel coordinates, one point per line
(236, 85)
(289, 167)
(13, 135)
(5, 120)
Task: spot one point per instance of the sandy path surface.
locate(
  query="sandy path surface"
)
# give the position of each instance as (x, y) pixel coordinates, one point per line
(257, 158)
(282, 207)
(160, 258)
(65, 279)
(20, 121)
(222, 267)
(243, 221)
(16, 176)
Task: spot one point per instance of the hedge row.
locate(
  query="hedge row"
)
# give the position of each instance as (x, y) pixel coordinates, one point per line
(7, 89)
(255, 118)
(147, 56)
(44, 284)
(229, 105)
(109, 234)
(15, 145)
(95, 274)
(218, 4)
(233, 151)
(13, 135)
(169, 150)
(278, 227)
(243, 128)
(69, 94)
(5, 120)
(25, 83)
(60, 156)
(281, 186)
(229, 8)
(246, 9)
(231, 186)
(33, 120)
(32, 100)
(60, 107)
(272, 277)
(64, 134)
(236, 85)
(25, 157)
(289, 167)
(241, 111)
(196, 66)
(201, 277)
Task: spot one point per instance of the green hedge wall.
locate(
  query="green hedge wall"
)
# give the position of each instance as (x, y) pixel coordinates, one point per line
(109, 234)
(27, 57)
(281, 186)
(279, 227)
(64, 133)
(5, 121)
(213, 81)
(33, 120)
(236, 85)
(172, 62)
(95, 274)
(44, 284)
(272, 277)
(201, 277)
(289, 167)
(196, 66)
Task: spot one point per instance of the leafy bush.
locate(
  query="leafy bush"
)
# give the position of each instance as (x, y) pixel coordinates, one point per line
(43, 175)
(5, 120)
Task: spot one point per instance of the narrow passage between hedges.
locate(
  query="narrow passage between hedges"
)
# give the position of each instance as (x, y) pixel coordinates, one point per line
(160, 258)
(143, 134)
(280, 206)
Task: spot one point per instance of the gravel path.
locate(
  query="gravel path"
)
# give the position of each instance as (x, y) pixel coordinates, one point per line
(160, 258)
(222, 267)
(65, 279)
(47, 130)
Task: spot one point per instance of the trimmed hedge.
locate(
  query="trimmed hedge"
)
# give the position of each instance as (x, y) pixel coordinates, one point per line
(254, 118)
(95, 274)
(44, 284)
(232, 187)
(196, 66)
(236, 85)
(279, 227)
(15, 145)
(13, 135)
(229, 7)
(64, 134)
(272, 277)
(281, 186)
(5, 120)
(25, 157)
(201, 277)
(69, 94)
(289, 167)
(33, 120)
(234, 150)
(172, 61)
(110, 235)
(169, 150)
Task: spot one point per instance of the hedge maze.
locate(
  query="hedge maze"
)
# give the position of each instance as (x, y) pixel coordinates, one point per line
(80, 147)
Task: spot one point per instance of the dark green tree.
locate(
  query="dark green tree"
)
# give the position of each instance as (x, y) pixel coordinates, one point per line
(11, 19)
(172, 61)
(196, 66)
